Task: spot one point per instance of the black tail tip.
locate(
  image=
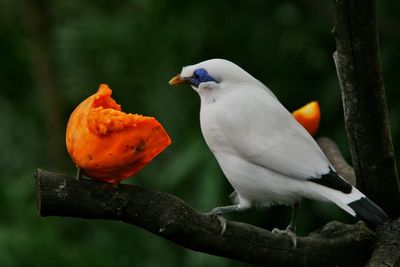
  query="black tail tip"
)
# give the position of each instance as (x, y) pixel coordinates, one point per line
(368, 211)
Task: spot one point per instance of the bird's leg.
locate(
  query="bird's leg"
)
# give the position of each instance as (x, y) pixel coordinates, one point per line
(291, 228)
(295, 211)
(219, 211)
(78, 173)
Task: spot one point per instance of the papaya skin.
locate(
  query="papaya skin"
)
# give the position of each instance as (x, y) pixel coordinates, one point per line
(108, 144)
(309, 116)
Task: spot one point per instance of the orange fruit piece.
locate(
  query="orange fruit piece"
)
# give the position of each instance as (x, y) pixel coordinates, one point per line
(108, 144)
(309, 116)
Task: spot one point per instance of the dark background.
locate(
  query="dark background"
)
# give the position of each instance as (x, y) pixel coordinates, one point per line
(54, 54)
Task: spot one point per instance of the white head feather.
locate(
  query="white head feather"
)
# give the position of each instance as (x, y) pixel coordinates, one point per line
(224, 72)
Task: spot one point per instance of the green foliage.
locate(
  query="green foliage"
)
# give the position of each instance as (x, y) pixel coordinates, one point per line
(135, 47)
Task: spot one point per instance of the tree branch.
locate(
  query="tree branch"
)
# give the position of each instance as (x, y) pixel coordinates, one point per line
(364, 102)
(171, 218)
(387, 248)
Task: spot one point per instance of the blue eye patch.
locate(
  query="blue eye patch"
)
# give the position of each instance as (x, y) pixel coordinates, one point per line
(200, 76)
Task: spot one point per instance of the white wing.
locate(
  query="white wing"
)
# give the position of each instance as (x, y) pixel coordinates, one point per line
(263, 132)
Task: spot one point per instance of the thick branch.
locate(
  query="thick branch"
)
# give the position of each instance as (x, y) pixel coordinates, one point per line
(336, 244)
(387, 248)
(364, 102)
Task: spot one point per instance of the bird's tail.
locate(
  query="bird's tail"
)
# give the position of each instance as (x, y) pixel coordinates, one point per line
(358, 205)
(368, 211)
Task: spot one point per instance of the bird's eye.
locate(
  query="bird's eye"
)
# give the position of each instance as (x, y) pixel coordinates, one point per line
(200, 76)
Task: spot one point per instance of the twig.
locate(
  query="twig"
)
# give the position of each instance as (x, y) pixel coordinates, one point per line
(333, 154)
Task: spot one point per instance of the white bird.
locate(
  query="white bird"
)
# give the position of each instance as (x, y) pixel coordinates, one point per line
(265, 154)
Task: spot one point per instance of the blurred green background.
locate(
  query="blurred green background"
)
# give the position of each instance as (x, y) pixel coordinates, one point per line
(56, 53)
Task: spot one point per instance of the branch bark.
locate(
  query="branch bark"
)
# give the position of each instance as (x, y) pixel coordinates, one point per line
(336, 244)
(387, 248)
(364, 103)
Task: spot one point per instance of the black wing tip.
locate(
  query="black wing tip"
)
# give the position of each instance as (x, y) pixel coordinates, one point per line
(368, 211)
(334, 181)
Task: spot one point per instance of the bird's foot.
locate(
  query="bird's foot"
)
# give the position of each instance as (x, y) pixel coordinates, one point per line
(287, 232)
(220, 218)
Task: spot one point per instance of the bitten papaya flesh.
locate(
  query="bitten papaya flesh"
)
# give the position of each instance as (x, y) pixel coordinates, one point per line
(108, 144)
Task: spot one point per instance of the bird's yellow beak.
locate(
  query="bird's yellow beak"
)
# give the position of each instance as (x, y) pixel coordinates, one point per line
(177, 80)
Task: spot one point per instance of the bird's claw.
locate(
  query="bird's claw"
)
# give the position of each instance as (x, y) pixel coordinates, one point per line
(287, 232)
(221, 220)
